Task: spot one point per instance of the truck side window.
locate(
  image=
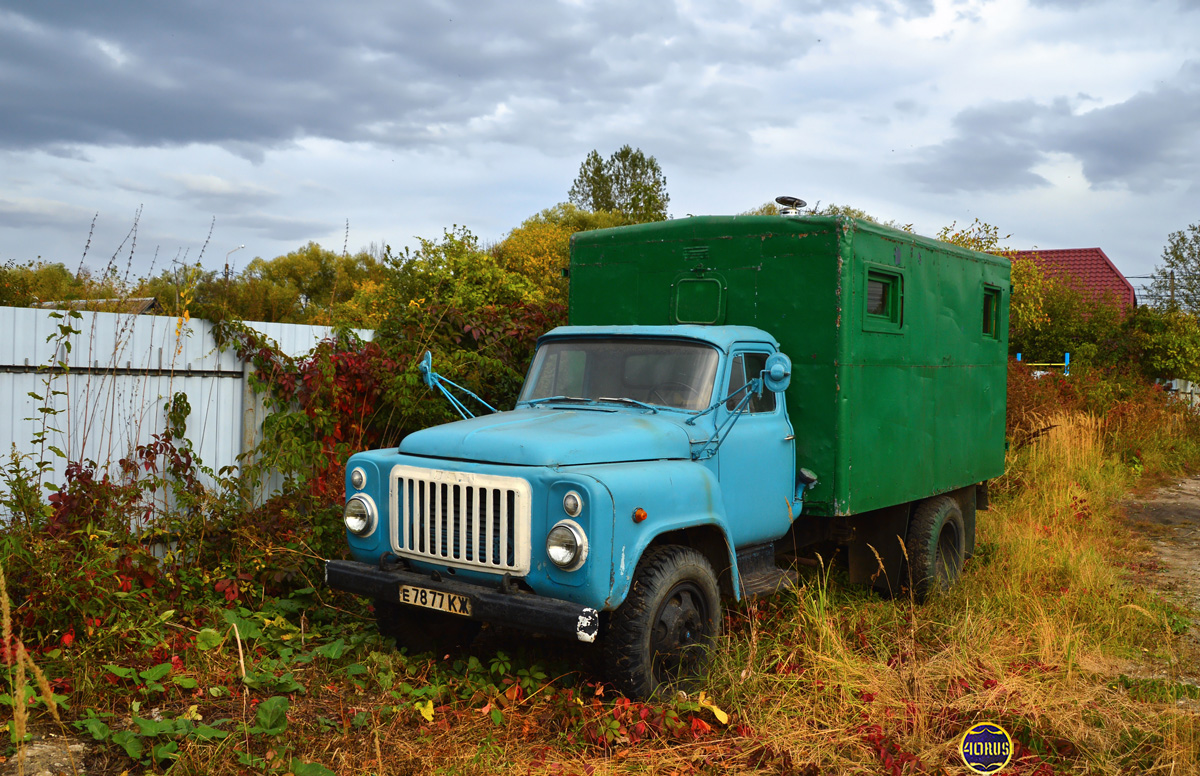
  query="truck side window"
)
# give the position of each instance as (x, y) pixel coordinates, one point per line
(752, 364)
(885, 297)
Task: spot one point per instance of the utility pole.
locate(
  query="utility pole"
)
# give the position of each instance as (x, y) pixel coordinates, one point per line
(1172, 289)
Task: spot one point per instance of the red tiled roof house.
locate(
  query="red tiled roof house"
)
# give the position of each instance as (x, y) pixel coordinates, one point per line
(1087, 270)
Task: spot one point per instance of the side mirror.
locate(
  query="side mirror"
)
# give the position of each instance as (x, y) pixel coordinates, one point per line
(777, 375)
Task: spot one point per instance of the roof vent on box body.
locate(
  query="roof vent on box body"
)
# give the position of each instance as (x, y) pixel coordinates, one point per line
(790, 206)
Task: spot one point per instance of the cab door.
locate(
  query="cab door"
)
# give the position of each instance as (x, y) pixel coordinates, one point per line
(756, 462)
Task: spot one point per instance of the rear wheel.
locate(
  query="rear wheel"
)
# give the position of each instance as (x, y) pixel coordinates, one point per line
(661, 636)
(421, 631)
(936, 546)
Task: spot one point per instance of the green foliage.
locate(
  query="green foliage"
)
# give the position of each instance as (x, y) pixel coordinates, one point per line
(1176, 282)
(479, 317)
(852, 212)
(848, 211)
(1163, 343)
(628, 182)
(455, 272)
(979, 236)
(1049, 318)
(593, 188)
(576, 219)
(765, 209)
(39, 282)
(772, 209)
(310, 285)
(539, 249)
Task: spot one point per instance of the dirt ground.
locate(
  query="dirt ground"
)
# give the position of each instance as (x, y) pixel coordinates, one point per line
(1168, 519)
(50, 754)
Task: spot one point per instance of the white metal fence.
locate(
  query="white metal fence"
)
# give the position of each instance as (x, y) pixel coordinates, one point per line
(1185, 390)
(122, 371)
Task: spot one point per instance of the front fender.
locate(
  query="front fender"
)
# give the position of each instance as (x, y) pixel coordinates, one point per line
(675, 494)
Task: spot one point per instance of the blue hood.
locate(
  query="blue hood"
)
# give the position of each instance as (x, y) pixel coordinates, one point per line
(549, 437)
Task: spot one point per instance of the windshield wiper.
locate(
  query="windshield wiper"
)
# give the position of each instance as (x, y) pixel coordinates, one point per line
(536, 402)
(623, 400)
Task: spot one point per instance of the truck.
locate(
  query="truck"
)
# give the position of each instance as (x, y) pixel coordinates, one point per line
(728, 390)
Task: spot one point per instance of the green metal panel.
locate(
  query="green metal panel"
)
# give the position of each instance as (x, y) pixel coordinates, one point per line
(886, 409)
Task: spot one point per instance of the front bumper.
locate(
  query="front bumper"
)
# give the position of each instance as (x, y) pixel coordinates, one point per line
(514, 608)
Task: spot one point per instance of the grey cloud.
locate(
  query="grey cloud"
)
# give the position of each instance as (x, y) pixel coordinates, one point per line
(255, 76)
(1076, 5)
(25, 213)
(994, 148)
(220, 195)
(1151, 139)
(279, 227)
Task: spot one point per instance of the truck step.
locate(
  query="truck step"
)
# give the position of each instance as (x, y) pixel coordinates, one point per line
(768, 581)
(758, 574)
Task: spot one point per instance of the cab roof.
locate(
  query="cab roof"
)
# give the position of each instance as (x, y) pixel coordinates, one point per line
(722, 337)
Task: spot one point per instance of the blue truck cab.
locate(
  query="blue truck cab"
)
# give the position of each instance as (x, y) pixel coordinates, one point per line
(644, 472)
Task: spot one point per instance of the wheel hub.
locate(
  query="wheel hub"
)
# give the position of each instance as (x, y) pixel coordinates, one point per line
(679, 630)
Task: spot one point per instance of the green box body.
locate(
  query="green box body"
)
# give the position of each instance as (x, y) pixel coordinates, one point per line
(898, 342)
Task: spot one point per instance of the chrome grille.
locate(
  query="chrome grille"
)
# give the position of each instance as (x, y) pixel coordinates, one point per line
(461, 519)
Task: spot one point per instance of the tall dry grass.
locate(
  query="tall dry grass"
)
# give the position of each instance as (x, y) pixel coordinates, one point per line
(1034, 637)
(19, 667)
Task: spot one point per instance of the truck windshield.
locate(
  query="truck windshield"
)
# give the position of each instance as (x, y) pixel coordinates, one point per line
(665, 373)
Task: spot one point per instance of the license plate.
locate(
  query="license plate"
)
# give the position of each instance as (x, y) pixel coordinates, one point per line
(451, 603)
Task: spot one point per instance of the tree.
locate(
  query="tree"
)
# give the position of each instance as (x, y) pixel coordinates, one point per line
(765, 209)
(310, 285)
(456, 272)
(772, 209)
(593, 189)
(1176, 284)
(845, 210)
(1162, 344)
(628, 182)
(576, 219)
(540, 251)
(540, 248)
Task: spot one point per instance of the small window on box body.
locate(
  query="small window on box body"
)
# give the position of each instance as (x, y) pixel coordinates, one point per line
(991, 312)
(885, 300)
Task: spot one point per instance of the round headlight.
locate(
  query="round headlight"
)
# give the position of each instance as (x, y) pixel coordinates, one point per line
(566, 544)
(358, 478)
(572, 503)
(360, 515)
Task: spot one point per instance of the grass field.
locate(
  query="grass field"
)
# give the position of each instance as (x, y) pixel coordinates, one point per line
(237, 662)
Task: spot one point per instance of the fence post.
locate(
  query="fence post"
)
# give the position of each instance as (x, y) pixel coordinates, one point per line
(253, 412)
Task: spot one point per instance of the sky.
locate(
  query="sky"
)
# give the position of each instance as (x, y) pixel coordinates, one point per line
(153, 134)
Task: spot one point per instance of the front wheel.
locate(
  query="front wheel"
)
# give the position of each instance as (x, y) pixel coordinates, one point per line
(662, 635)
(936, 546)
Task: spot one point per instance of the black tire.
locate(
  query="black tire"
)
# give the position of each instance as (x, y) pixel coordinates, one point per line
(421, 631)
(936, 546)
(661, 636)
